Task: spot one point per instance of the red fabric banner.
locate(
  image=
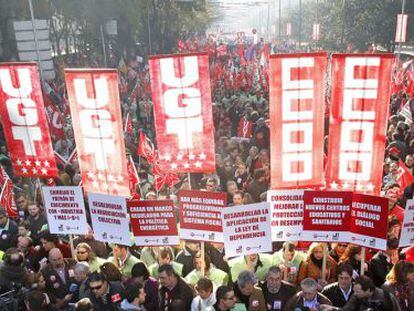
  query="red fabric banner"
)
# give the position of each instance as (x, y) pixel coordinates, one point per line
(24, 122)
(297, 119)
(359, 112)
(404, 177)
(97, 124)
(54, 119)
(6, 195)
(183, 113)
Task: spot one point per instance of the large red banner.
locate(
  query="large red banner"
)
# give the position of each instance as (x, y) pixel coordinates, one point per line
(297, 119)
(182, 111)
(359, 112)
(97, 124)
(24, 122)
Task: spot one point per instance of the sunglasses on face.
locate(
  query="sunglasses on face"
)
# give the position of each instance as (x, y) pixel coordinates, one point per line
(95, 288)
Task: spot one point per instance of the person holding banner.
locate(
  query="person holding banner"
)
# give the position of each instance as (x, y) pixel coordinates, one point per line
(311, 267)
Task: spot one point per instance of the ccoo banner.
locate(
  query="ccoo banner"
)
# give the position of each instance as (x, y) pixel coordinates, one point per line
(297, 117)
(22, 114)
(97, 123)
(182, 111)
(359, 111)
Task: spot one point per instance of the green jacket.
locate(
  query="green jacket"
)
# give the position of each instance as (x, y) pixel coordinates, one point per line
(95, 265)
(238, 265)
(127, 265)
(153, 269)
(293, 265)
(217, 276)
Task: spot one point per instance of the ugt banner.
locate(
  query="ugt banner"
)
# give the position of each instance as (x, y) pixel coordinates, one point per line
(22, 114)
(97, 124)
(182, 111)
(358, 120)
(297, 119)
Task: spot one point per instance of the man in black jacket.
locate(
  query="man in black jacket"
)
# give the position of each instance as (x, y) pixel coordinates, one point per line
(8, 231)
(186, 256)
(105, 295)
(382, 262)
(173, 288)
(340, 292)
(275, 291)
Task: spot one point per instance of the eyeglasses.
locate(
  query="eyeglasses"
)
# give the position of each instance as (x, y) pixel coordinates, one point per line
(95, 288)
(80, 252)
(342, 245)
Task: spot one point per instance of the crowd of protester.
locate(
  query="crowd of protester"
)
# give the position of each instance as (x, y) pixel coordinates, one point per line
(43, 271)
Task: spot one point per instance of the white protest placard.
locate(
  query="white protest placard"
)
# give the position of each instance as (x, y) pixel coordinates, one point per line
(407, 231)
(65, 210)
(246, 229)
(109, 218)
(286, 209)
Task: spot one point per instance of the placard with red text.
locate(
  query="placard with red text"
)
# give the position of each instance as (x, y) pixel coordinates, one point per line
(153, 222)
(246, 229)
(200, 215)
(326, 216)
(286, 207)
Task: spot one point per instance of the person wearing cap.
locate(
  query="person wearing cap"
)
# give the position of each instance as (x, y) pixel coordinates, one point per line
(8, 231)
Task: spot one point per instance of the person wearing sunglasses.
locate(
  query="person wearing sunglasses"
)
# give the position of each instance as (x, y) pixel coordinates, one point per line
(104, 295)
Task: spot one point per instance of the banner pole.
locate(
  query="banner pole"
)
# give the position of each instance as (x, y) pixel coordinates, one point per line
(285, 259)
(324, 260)
(363, 255)
(72, 248)
(202, 246)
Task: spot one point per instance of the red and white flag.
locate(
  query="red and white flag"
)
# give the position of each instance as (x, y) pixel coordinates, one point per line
(6, 195)
(297, 119)
(97, 124)
(401, 29)
(183, 112)
(128, 125)
(24, 121)
(133, 175)
(54, 118)
(404, 178)
(146, 148)
(361, 86)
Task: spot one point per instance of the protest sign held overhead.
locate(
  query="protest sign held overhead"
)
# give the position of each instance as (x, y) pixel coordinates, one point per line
(369, 216)
(65, 210)
(407, 229)
(200, 215)
(286, 208)
(97, 123)
(297, 119)
(358, 121)
(153, 223)
(246, 229)
(181, 95)
(326, 216)
(23, 117)
(109, 217)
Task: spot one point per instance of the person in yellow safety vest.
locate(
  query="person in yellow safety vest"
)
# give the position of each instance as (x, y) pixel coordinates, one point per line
(85, 253)
(259, 264)
(165, 256)
(217, 276)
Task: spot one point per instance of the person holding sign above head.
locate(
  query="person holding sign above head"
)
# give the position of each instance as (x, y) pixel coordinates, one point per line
(165, 256)
(288, 259)
(84, 253)
(259, 264)
(311, 267)
(248, 295)
(217, 276)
